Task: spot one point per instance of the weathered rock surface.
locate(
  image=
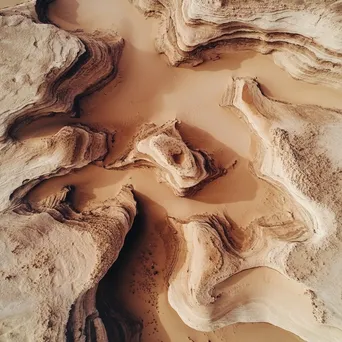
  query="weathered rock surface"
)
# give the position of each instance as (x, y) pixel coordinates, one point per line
(50, 258)
(184, 169)
(303, 37)
(42, 74)
(25, 164)
(300, 154)
(50, 254)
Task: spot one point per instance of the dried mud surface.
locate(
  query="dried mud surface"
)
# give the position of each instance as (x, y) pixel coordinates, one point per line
(229, 171)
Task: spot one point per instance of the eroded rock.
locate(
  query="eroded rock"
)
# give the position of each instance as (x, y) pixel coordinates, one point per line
(50, 258)
(25, 164)
(46, 70)
(303, 37)
(299, 153)
(184, 169)
(51, 255)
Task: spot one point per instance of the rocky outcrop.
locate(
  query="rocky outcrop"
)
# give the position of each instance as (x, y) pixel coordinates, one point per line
(51, 255)
(299, 150)
(299, 153)
(303, 37)
(25, 164)
(50, 258)
(44, 75)
(184, 169)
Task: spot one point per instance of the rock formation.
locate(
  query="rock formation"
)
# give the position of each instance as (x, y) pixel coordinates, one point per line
(55, 75)
(101, 320)
(50, 257)
(184, 169)
(51, 254)
(303, 37)
(25, 164)
(299, 153)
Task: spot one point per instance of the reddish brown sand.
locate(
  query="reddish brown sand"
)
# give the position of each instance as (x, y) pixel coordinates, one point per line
(148, 90)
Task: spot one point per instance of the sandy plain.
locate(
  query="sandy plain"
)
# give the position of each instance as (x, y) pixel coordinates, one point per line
(148, 90)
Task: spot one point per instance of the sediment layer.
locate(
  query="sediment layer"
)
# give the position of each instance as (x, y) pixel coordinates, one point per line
(52, 255)
(60, 67)
(302, 37)
(299, 153)
(184, 169)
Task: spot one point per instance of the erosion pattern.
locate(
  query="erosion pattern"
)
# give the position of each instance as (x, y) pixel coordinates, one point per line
(50, 254)
(303, 37)
(299, 153)
(53, 256)
(184, 169)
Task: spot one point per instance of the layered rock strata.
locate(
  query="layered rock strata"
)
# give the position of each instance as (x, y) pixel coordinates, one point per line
(46, 70)
(50, 254)
(100, 320)
(52, 257)
(184, 169)
(303, 37)
(25, 164)
(299, 153)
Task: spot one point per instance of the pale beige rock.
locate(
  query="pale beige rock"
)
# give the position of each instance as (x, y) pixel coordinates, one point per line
(300, 154)
(50, 254)
(50, 258)
(184, 169)
(42, 74)
(40, 239)
(300, 151)
(25, 164)
(303, 37)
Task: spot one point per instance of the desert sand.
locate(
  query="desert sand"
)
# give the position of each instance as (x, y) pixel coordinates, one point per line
(209, 166)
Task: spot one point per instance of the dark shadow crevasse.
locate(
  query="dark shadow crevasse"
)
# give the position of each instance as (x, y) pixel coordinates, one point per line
(99, 315)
